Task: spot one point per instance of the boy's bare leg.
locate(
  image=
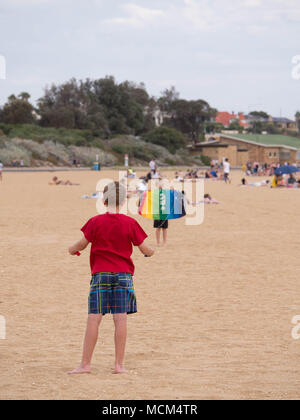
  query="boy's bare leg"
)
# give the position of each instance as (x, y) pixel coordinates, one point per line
(90, 341)
(165, 232)
(158, 236)
(120, 321)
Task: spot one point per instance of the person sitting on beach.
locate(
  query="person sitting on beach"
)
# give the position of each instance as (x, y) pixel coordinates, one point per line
(188, 174)
(194, 174)
(291, 180)
(178, 177)
(56, 181)
(156, 175)
(131, 174)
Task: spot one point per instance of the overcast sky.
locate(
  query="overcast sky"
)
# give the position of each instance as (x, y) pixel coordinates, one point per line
(236, 54)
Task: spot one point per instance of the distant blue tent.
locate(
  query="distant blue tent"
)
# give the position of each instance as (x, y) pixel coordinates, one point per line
(286, 169)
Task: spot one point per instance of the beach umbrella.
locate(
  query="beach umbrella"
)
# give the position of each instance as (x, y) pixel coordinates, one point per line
(162, 204)
(286, 169)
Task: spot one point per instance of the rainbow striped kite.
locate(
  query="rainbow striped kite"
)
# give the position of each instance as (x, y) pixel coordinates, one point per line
(162, 204)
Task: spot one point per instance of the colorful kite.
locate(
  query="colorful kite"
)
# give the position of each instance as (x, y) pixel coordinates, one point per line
(162, 204)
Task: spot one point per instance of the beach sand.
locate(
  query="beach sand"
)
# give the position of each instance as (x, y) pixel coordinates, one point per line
(215, 305)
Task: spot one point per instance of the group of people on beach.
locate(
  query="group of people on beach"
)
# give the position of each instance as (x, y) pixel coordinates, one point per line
(215, 173)
(265, 169)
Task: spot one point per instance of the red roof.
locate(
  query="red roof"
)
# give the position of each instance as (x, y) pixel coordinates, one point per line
(226, 118)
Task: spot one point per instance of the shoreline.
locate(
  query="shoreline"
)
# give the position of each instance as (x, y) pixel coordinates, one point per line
(103, 169)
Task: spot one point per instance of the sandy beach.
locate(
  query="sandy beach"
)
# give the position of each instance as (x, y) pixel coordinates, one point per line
(215, 306)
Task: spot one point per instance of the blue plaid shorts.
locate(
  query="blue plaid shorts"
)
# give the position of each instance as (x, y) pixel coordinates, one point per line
(112, 293)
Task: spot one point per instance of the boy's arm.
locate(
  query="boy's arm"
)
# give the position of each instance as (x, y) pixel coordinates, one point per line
(146, 250)
(79, 246)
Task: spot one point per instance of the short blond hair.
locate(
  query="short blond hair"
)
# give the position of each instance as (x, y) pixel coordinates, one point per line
(114, 194)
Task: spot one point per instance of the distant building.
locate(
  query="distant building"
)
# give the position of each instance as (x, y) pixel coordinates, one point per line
(227, 119)
(158, 115)
(283, 123)
(245, 121)
(243, 148)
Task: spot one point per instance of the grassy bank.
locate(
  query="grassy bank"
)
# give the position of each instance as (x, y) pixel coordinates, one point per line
(38, 146)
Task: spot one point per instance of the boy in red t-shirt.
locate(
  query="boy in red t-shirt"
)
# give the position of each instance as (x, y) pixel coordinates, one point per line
(112, 236)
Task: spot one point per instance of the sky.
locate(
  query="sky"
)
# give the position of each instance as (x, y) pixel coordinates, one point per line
(239, 55)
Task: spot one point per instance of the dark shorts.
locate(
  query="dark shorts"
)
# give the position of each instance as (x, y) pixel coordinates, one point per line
(112, 293)
(161, 224)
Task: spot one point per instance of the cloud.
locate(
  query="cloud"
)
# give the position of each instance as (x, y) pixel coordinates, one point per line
(252, 16)
(136, 16)
(201, 15)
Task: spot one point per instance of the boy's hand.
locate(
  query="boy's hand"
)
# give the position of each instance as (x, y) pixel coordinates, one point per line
(72, 251)
(146, 250)
(79, 246)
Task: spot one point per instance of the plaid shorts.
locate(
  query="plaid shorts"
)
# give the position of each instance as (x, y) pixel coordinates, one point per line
(112, 293)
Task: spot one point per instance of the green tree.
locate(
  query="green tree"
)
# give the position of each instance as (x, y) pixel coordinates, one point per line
(168, 98)
(101, 105)
(167, 137)
(259, 114)
(235, 125)
(18, 110)
(189, 117)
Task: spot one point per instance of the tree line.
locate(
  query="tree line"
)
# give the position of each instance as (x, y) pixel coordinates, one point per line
(107, 108)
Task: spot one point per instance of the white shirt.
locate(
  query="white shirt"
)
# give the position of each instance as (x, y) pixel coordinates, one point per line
(152, 165)
(226, 167)
(142, 187)
(1, 166)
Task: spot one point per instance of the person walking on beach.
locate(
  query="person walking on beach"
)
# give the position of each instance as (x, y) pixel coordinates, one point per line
(112, 236)
(1, 170)
(226, 166)
(153, 166)
(161, 227)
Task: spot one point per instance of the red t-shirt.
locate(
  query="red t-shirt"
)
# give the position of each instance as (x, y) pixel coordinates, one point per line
(112, 237)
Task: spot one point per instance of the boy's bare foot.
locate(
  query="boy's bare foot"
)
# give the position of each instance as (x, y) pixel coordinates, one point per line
(80, 370)
(120, 370)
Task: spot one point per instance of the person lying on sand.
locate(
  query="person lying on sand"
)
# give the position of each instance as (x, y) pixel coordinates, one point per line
(207, 200)
(245, 183)
(56, 181)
